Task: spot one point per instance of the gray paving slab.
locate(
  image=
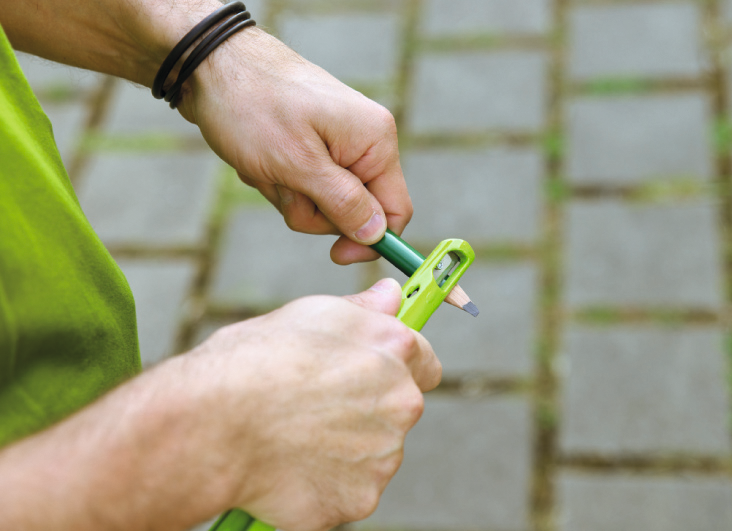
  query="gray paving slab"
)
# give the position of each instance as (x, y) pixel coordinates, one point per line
(134, 111)
(651, 41)
(644, 391)
(633, 139)
(355, 48)
(641, 255)
(467, 465)
(69, 121)
(161, 288)
(48, 76)
(261, 264)
(448, 18)
(501, 341)
(472, 92)
(483, 196)
(150, 200)
(613, 502)
(259, 10)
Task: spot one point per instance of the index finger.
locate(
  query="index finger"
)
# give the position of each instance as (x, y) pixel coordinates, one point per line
(424, 365)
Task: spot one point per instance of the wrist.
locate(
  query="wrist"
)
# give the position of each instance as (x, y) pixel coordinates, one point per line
(234, 59)
(183, 432)
(153, 28)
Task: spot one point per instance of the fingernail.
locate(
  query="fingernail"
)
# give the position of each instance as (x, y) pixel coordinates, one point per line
(385, 285)
(286, 195)
(372, 229)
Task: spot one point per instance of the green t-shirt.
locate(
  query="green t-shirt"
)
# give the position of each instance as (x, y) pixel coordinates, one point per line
(67, 316)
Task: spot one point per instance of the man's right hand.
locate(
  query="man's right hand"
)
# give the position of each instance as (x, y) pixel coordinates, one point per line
(313, 402)
(298, 417)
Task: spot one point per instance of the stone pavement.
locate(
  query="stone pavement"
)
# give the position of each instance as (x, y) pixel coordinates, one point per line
(583, 148)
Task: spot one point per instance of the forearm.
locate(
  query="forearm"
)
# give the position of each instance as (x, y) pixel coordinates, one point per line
(125, 38)
(133, 460)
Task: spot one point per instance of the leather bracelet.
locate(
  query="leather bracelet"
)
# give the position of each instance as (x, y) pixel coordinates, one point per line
(238, 9)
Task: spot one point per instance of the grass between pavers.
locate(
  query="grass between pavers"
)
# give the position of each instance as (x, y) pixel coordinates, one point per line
(554, 144)
(483, 41)
(666, 317)
(665, 190)
(722, 135)
(145, 143)
(58, 93)
(673, 189)
(728, 351)
(233, 194)
(500, 253)
(616, 86)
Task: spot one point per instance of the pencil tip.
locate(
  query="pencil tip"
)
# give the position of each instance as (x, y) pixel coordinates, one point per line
(472, 309)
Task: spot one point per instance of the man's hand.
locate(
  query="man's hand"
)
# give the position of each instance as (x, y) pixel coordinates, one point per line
(325, 155)
(298, 416)
(337, 384)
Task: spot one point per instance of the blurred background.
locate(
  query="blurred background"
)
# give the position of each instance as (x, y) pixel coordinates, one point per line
(583, 148)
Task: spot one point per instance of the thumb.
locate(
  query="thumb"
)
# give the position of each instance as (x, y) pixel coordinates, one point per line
(348, 204)
(384, 297)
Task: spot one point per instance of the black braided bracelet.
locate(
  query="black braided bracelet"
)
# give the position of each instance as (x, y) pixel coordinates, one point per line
(240, 20)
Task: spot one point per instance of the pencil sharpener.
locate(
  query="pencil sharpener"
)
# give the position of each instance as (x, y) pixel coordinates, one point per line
(427, 288)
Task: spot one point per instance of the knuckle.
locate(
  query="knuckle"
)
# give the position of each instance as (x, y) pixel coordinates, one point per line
(386, 119)
(322, 522)
(408, 211)
(292, 220)
(436, 373)
(319, 308)
(405, 341)
(393, 465)
(414, 404)
(366, 504)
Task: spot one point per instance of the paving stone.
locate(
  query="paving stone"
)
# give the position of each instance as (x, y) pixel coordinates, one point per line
(150, 201)
(629, 140)
(501, 341)
(263, 264)
(645, 390)
(472, 92)
(355, 48)
(46, 76)
(611, 502)
(135, 111)
(259, 10)
(642, 255)
(467, 464)
(161, 288)
(68, 122)
(484, 196)
(444, 18)
(645, 41)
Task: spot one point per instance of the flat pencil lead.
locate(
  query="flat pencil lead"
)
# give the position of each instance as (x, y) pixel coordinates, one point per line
(472, 309)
